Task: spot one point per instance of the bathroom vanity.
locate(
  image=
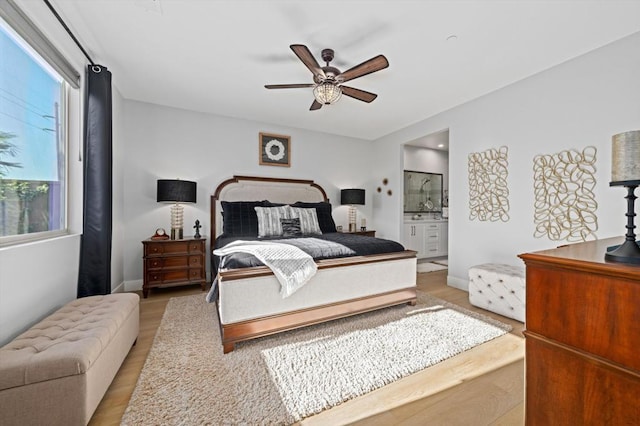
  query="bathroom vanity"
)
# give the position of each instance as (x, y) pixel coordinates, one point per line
(428, 237)
(424, 230)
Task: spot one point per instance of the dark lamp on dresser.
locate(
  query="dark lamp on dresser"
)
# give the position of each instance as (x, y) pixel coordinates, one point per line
(352, 197)
(176, 191)
(625, 171)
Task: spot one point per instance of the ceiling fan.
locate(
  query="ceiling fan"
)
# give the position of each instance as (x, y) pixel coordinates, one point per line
(328, 81)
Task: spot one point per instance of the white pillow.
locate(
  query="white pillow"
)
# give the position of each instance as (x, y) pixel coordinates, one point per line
(308, 220)
(269, 220)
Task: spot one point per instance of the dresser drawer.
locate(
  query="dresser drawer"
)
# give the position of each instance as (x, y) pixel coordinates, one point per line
(589, 312)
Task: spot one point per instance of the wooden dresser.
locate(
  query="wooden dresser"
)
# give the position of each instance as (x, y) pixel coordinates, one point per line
(582, 337)
(173, 263)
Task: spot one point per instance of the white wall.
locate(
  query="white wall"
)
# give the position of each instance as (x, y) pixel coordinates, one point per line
(118, 218)
(37, 278)
(579, 103)
(169, 143)
(427, 160)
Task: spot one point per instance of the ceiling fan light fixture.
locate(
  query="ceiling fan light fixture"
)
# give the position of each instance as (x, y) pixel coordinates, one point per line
(327, 93)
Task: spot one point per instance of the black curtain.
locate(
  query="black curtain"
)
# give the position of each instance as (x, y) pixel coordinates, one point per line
(95, 248)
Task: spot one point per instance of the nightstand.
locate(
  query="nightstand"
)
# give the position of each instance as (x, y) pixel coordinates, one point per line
(367, 233)
(174, 263)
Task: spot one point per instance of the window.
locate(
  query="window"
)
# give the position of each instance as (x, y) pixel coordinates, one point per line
(32, 142)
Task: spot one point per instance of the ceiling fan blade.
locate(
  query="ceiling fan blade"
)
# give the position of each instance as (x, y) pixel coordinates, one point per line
(307, 58)
(287, 86)
(367, 67)
(358, 94)
(315, 105)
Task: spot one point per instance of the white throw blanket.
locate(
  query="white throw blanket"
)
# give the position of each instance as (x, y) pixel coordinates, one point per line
(292, 267)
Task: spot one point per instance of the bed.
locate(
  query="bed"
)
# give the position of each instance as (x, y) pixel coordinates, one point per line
(248, 299)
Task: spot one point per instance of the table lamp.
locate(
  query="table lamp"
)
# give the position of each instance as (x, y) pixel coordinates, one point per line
(352, 197)
(176, 191)
(625, 171)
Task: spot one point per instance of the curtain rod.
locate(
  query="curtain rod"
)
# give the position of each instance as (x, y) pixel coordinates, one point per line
(69, 32)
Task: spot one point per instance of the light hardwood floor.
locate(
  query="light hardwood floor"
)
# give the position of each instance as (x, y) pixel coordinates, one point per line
(483, 386)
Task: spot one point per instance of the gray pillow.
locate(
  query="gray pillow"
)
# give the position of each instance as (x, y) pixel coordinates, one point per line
(269, 220)
(308, 220)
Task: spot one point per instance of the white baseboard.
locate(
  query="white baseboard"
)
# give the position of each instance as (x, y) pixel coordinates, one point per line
(119, 288)
(460, 283)
(133, 285)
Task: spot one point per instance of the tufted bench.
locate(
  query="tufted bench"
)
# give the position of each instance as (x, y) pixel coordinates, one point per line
(498, 288)
(57, 372)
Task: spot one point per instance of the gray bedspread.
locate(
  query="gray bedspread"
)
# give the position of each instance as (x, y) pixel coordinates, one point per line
(314, 247)
(359, 245)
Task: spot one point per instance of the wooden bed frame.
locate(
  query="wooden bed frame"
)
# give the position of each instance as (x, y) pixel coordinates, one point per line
(248, 188)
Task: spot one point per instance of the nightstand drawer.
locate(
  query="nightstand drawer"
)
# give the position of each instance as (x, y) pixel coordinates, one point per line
(196, 274)
(168, 276)
(162, 248)
(196, 247)
(195, 261)
(173, 262)
(171, 276)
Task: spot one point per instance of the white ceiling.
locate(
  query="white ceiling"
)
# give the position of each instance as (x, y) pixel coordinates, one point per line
(216, 56)
(438, 141)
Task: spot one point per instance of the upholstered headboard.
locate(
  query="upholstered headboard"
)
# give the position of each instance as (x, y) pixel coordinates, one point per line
(252, 188)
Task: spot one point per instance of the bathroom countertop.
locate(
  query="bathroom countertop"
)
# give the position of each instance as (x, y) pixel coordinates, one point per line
(425, 220)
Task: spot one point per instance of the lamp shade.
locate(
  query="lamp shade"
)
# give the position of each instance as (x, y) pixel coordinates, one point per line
(625, 156)
(352, 196)
(176, 191)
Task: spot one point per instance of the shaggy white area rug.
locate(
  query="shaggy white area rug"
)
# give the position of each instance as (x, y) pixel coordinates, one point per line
(281, 379)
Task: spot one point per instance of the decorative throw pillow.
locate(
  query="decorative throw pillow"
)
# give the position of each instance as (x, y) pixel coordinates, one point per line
(291, 227)
(239, 218)
(323, 211)
(269, 220)
(308, 220)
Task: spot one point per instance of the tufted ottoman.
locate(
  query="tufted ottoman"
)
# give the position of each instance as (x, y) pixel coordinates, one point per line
(57, 372)
(498, 288)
